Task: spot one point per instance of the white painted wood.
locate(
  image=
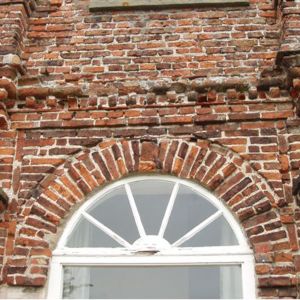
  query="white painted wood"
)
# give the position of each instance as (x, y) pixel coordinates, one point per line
(246, 262)
(69, 229)
(55, 285)
(197, 229)
(248, 276)
(169, 209)
(203, 251)
(219, 255)
(241, 237)
(151, 260)
(105, 229)
(135, 211)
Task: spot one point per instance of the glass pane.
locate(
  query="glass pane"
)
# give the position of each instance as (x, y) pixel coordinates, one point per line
(161, 282)
(218, 233)
(151, 198)
(114, 211)
(86, 234)
(190, 209)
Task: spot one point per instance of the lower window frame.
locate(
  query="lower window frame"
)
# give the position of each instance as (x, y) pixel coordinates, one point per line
(245, 260)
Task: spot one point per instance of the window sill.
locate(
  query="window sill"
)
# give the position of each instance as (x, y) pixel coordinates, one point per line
(98, 5)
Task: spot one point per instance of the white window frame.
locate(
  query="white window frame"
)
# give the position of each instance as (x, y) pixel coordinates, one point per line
(194, 256)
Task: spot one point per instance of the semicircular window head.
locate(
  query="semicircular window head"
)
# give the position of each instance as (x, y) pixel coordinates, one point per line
(150, 227)
(152, 213)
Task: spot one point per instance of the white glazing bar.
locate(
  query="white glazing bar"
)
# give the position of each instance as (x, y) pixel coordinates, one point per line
(105, 229)
(135, 211)
(198, 228)
(168, 212)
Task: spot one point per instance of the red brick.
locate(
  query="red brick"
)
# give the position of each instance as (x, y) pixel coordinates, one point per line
(149, 151)
(274, 281)
(174, 93)
(170, 156)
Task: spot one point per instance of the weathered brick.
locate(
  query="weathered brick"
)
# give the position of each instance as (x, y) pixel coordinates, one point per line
(149, 152)
(172, 88)
(170, 156)
(100, 162)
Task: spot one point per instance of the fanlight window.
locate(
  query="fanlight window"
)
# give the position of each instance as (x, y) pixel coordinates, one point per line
(152, 237)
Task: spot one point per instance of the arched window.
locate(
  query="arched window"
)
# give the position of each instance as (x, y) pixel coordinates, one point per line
(152, 237)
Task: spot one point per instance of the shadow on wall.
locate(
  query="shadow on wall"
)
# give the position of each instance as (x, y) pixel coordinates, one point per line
(3, 201)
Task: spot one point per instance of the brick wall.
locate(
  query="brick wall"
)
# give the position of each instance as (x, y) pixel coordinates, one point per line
(209, 94)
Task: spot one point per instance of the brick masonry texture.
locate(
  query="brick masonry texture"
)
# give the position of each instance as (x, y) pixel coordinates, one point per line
(207, 94)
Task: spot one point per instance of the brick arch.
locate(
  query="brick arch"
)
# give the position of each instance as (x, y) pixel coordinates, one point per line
(228, 176)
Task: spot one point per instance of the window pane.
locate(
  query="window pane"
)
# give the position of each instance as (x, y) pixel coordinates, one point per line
(151, 197)
(177, 282)
(114, 211)
(190, 209)
(86, 234)
(218, 233)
